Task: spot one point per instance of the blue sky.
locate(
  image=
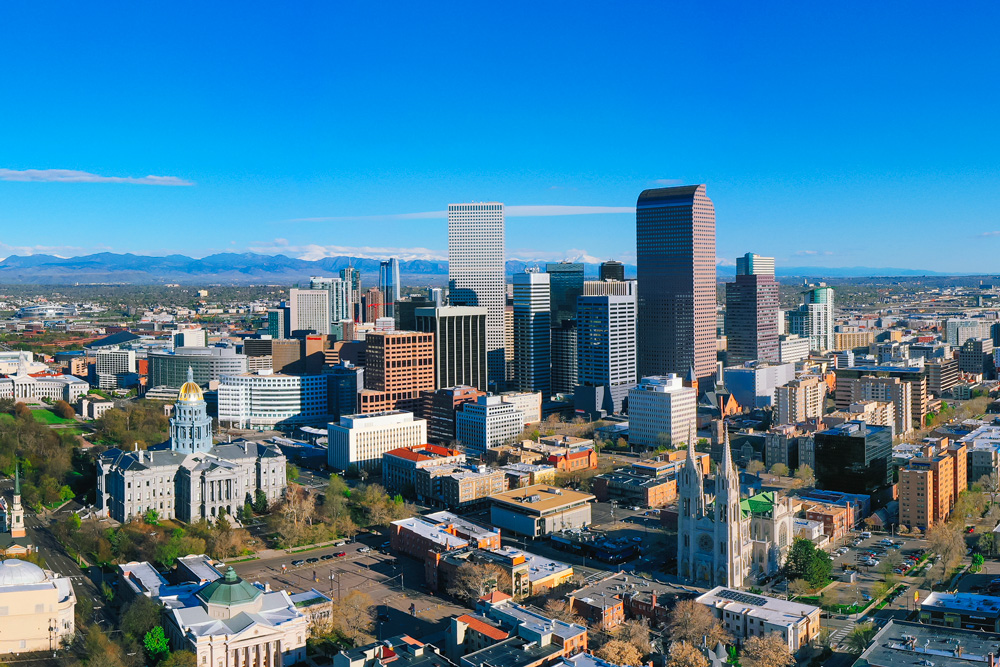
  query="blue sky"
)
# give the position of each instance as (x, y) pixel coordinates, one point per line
(834, 134)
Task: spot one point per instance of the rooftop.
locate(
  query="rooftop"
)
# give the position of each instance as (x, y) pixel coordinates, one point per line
(900, 643)
(541, 497)
(980, 605)
(484, 627)
(513, 652)
(772, 610)
(539, 567)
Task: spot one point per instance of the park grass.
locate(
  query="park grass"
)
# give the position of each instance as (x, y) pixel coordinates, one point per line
(49, 417)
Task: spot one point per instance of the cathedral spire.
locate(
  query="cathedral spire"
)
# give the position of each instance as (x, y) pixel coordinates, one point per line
(17, 479)
(726, 464)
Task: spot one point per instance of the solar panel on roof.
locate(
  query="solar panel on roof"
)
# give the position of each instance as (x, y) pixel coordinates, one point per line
(743, 598)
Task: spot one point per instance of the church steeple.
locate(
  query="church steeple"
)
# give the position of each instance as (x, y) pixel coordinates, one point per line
(16, 511)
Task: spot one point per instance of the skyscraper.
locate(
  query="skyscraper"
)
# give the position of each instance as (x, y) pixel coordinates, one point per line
(814, 318)
(476, 271)
(352, 277)
(459, 342)
(612, 270)
(605, 352)
(532, 338)
(309, 310)
(566, 284)
(388, 283)
(340, 296)
(675, 251)
(752, 311)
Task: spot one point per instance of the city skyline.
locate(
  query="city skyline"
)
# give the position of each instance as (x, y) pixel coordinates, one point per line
(302, 147)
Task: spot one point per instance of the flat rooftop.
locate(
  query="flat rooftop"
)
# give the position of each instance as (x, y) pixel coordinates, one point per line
(539, 567)
(461, 523)
(901, 644)
(963, 603)
(541, 497)
(774, 611)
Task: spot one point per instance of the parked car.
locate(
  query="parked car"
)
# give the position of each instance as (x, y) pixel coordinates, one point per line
(297, 562)
(312, 560)
(340, 554)
(326, 557)
(364, 550)
(970, 529)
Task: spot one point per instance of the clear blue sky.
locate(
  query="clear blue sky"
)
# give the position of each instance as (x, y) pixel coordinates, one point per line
(831, 134)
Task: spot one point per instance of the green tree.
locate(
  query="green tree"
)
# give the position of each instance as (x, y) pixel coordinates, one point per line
(807, 562)
(860, 637)
(977, 562)
(779, 469)
(755, 467)
(152, 517)
(156, 645)
(139, 617)
(260, 502)
(180, 659)
(291, 472)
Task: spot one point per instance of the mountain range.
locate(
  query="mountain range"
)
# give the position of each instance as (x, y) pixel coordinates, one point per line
(252, 268)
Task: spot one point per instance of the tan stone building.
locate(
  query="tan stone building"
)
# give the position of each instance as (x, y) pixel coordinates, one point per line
(37, 608)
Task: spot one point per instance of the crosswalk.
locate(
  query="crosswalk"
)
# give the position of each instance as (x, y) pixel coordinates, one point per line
(840, 634)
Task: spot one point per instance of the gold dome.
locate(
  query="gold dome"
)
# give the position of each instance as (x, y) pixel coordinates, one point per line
(190, 392)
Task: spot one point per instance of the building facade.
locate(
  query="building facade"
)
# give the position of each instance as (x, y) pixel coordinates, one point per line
(532, 333)
(361, 440)
(606, 351)
(309, 310)
(752, 311)
(38, 608)
(209, 364)
(265, 400)
(487, 423)
(459, 344)
(399, 365)
(675, 251)
(662, 411)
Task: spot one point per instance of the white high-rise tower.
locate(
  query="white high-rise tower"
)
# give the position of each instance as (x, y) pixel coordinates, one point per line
(476, 271)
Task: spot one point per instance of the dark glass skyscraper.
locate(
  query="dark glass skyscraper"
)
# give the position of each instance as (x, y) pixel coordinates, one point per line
(752, 311)
(675, 252)
(388, 283)
(612, 270)
(566, 285)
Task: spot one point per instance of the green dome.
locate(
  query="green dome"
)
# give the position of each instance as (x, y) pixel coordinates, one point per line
(228, 591)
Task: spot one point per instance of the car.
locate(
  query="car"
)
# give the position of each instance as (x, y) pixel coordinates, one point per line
(886, 541)
(865, 535)
(312, 560)
(895, 546)
(637, 539)
(866, 597)
(898, 570)
(297, 562)
(364, 550)
(970, 529)
(326, 557)
(340, 554)
(384, 545)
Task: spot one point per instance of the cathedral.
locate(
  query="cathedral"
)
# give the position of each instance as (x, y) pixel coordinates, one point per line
(713, 530)
(188, 477)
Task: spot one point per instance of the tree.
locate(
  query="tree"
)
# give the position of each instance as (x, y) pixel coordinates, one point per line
(636, 633)
(755, 467)
(64, 410)
(561, 611)
(152, 517)
(807, 562)
(946, 539)
(830, 598)
(689, 621)
(291, 518)
(986, 543)
(977, 562)
(156, 645)
(805, 475)
(779, 469)
(683, 654)
(474, 580)
(618, 652)
(180, 659)
(860, 637)
(22, 411)
(139, 617)
(354, 616)
(291, 472)
(799, 587)
(260, 502)
(766, 651)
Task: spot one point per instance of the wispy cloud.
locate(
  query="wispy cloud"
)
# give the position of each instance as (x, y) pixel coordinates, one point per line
(74, 176)
(665, 182)
(524, 211)
(314, 251)
(986, 234)
(806, 252)
(7, 250)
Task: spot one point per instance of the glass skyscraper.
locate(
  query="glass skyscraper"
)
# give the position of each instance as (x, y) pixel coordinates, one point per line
(566, 285)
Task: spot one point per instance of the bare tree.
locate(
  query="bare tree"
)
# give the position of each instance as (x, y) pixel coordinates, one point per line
(755, 467)
(683, 654)
(618, 652)
(767, 651)
(355, 616)
(799, 587)
(691, 622)
(635, 633)
(294, 514)
(474, 580)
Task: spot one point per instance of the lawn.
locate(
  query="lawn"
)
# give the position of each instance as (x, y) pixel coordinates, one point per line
(49, 417)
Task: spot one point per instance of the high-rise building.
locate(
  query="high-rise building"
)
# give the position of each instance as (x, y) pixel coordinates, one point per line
(346, 381)
(800, 400)
(361, 440)
(340, 296)
(170, 368)
(612, 270)
(477, 270)
(662, 412)
(398, 366)
(388, 284)
(976, 357)
(930, 483)
(606, 349)
(532, 337)
(752, 311)
(675, 251)
(352, 277)
(276, 322)
(854, 458)
(440, 407)
(565, 285)
(112, 368)
(609, 288)
(309, 310)
(489, 422)
(459, 344)
(265, 400)
(374, 304)
(942, 375)
(508, 344)
(814, 318)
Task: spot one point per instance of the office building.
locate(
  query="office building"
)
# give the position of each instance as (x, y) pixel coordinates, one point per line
(346, 382)
(532, 336)
(713, 537)
(609, 288)
(459, 344)
(508, 344)
(388, 284)
(400, 466)
(611, 270)
(814, 318)
(675, 250)
(528, 402)
(859, 383)
(565, 285)
(540, 510)
(753, 384)
(961, 610)
(976, 357)
(266, 400)
(169, 368)
(374, 304)
(800, 399)
(854, 458)
(113, 368)
(904, 643)
(477, 271)
(352, 277)
(439, 408)
(662, 412)
(744, 616)
(489, 422)
(277, 319)
(930, 483)
(398, 366)
(942, 375)
(339, 293)
(38, 608)
(309, 310)
(361, 440)
(194, 337)
(958, 330)
(606, 352)
(792, 348)
(752, 311)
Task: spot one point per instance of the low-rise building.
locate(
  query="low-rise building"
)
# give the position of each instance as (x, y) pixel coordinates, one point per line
(540, 509)
(401, 651)
(38, 608)
(94, 408)
(621, 596)
(442, 531)
(400, 465)
(361, 440)
(458, 486)
(961, 610)
(929, 484)
(520, 475)
(901, 643)
(744, 615)
(837, 520)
